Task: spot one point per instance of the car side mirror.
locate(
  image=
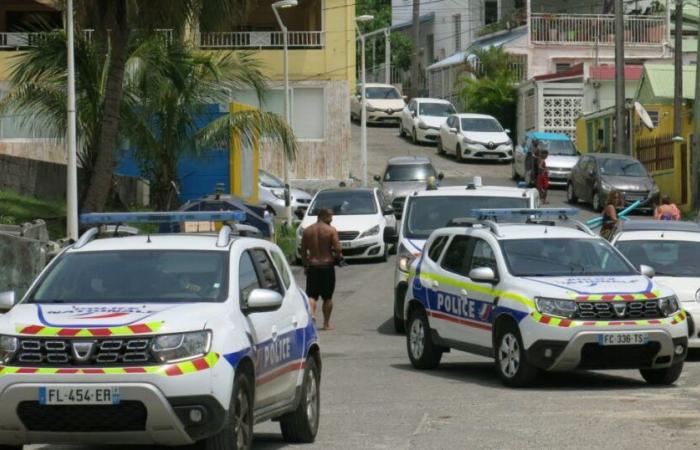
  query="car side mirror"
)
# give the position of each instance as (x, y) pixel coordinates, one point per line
(441, 176)
(453, 130)
(299, 213)
(263, 300)
(405, 98)
(7, 300)
(647, 271)
(390, 236)
(483, 275)
(388, 211)
(377, 178)
(507, 130)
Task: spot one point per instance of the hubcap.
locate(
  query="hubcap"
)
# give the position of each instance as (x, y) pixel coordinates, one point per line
(311, 399)
(417, 338)
(242, 420)
(509, 355)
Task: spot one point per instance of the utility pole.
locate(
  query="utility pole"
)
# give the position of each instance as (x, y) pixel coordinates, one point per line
(678, 71)
(695, 151)
(415, 54)
(387, 56)
(72, 160)
(620, 110)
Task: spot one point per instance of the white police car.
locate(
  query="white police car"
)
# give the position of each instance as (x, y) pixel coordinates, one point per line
(540, 296)
(426, 210)
(160, 339)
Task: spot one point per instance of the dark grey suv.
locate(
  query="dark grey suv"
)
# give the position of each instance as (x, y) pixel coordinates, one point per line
(597, 174)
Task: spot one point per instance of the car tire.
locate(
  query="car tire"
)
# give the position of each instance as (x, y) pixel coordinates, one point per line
(595, 202)
(570, 194)
(422, 352)
(402, 132)
(458, 154)
(511, 358)
(301, 425)
(414, 136)
(440, 148)
(229, 437)
(662, 377)
(385, 255)
(399, 294)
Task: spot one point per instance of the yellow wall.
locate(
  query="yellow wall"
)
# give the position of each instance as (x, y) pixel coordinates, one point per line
(6, 61)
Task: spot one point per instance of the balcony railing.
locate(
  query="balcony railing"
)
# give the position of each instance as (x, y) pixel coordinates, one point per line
(20, 40)
(587, 29)
(260, 39)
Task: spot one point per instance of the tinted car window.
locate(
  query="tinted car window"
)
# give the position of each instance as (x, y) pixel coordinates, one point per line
(269, 180)
(436, 248)
(282, 268)
(153, 276)
(668, 258)
(268, 275)
(455, 259)
(406, 172)
(380, 93)
(483, 125)
(483, 256)
(436, 109)
(622, 167)
(558, 147)
(247, 277)
(345, 203)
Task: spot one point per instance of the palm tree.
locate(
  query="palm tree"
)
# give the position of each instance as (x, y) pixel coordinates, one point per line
(170, 87)
(113, 21)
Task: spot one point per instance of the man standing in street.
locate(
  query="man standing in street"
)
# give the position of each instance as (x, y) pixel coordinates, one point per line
(320, 250)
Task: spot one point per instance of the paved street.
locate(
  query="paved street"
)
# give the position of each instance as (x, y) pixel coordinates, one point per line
(373, 399)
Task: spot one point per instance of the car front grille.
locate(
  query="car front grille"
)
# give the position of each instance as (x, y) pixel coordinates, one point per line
(633, 196)
(594, 356)
(126, 416)
(648, 309)
(348, 235)
(101, 352)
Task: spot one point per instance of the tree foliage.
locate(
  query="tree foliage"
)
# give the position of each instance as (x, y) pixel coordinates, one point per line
(401, 44)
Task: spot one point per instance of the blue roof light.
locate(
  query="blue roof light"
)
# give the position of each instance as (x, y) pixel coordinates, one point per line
(163, 217)
(519, 212)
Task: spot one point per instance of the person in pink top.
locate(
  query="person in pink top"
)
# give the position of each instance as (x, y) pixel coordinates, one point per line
(667, 210)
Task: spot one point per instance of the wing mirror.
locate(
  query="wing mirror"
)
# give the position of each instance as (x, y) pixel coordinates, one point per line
(405, 98)
(483, 275)
(299, 213)
(507, 130)
(377, 178)
(7, 300)
(440, 176)
(453, 130)
(390, 236)
(263, 300)
(647, 271)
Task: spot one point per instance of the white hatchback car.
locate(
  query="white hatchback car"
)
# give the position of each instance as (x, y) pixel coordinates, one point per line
(540, 296)
(169, 339)
(359, 214)
(422, 118)
(672, 249)
(475, 136)
(384, 104)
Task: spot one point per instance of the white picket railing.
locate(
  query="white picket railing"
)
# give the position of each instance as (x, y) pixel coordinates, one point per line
(260, 39)
(19, 40)
(586, 29)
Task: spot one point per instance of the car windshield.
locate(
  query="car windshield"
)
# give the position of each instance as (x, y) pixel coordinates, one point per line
(426, 214)
(668, 258)
(345, 203)
(405, 172)
(558, 147)
(382, 93)
(563, 257)
(481, 125)
(270, 181)
(435, 109)
(621, 167)
(135, 276)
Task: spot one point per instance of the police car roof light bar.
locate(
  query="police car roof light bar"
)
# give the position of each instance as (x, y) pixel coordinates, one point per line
(162, 217)
(561, 213)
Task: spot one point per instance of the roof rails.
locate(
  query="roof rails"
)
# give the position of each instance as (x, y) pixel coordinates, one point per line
(228, 217)
(495, 213)
(470, 222)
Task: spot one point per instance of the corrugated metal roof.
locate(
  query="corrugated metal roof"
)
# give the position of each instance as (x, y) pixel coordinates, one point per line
(607, 72)
(660, 79)
(495, 40)
(424, 18)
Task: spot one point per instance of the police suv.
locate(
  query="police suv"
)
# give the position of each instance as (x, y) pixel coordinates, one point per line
(159, 339)
(424, 211)
(540, 296)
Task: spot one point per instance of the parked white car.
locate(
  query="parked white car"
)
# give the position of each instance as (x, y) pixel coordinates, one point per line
(360, 216)
(672, 249)
(422, 118)
(384, 103)
(271, 194)
(475, 136)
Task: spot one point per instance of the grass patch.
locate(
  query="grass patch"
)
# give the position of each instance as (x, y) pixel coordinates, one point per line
(286, 239)
(16, 209)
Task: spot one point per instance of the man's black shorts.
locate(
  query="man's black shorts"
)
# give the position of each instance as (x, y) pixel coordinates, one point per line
(320, 282)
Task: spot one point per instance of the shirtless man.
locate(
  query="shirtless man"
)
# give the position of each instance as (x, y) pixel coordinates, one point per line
(320, 247)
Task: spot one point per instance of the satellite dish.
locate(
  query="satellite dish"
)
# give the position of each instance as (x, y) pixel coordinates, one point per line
(644, 115)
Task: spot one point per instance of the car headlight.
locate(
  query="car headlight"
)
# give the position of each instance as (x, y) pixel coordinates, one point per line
(422, 125)
(556, 307)
(669, 305)
(406, 258)
(371, 232)
(8, 348)
(278, 194)
(655, 189)
(371, 108)
(605, 186)
(466, 140)
(170, 348)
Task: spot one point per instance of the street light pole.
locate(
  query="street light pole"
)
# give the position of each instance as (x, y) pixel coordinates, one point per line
(72, 159)
(363, 106)
(387, 56)
(287, 112)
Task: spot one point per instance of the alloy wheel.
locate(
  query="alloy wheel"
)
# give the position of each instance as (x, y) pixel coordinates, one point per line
(242, 421)
(311, 398)
(417, 338)
(509, 355)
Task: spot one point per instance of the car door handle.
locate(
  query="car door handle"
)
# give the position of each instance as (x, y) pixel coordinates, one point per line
(274, 332)
(295, 321)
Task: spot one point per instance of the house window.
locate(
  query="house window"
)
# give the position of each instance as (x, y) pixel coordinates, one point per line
(308, 113)
(457, 20)
(490, 11)
(562, 67)
(654, 116)
(429, 46)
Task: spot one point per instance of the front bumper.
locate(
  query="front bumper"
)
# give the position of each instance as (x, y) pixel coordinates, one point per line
(480, 151)
(384, 116)
(559, 177)
(693, 310)
(429, 135)
(151, 418)
(561, 348)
